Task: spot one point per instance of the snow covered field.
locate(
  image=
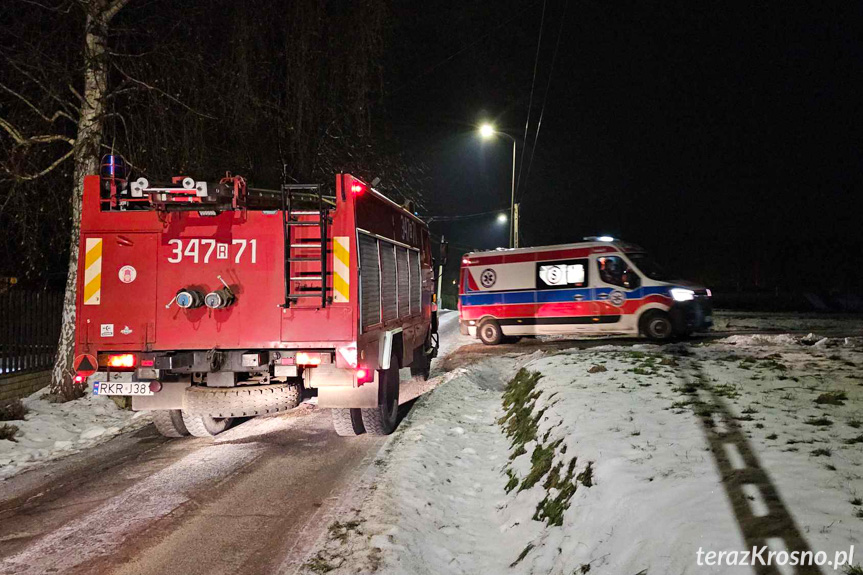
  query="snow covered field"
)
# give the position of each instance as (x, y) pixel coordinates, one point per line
(53, 430)
(621, 460)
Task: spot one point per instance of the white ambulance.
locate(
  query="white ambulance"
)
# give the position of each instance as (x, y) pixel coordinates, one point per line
(601, 286)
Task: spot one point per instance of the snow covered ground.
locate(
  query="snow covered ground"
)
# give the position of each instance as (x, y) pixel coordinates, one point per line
(53, 430)
(621, 460)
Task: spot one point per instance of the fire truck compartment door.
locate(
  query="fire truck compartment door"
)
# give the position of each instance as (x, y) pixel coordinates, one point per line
(117, 288)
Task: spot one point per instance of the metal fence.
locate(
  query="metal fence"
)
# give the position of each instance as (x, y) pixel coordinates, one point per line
(29, 328)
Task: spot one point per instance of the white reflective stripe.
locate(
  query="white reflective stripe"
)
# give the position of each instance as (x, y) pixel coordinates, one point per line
(387, 348)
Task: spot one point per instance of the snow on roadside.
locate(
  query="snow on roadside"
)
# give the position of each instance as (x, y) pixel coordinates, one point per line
(612, 459)
(53, 430)
(432, 507)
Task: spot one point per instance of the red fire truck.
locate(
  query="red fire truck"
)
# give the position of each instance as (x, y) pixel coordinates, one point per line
(210, 301)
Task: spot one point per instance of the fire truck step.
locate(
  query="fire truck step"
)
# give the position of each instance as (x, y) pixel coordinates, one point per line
(306, 224)
(305, 278)
(316, 293)
(316, 245)
(304, 259)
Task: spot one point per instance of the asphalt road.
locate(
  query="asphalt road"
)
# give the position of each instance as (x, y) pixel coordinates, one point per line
(255, 500)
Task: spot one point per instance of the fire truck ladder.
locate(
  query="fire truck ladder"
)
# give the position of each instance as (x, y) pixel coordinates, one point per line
(291, 194)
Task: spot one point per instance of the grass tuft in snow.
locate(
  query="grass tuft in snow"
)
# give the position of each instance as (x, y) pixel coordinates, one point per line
(8, 431)
(854, 440)
(522, 555)
(540, 460)
(819, 421)
(822, 451)
(853, 570)
(855, 423)
(12, 410)
(519, 423)
(832, 398)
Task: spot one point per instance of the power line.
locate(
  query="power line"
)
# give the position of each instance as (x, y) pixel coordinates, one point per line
(530, 100)
(545, 97)
(430, 218)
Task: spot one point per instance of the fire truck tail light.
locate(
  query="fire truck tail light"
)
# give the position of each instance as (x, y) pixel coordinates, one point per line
(155, 386)
(148, 362)
(79, 378)
(357, 189)
(124, 360)
(364, 375)
(308, 359)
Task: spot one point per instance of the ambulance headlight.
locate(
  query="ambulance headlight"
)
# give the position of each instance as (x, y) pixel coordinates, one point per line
(682, 294)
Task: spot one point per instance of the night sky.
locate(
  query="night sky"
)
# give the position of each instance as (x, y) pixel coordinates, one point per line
(723, 137)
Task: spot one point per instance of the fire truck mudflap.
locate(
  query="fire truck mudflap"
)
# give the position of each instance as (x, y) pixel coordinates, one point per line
(208, 301)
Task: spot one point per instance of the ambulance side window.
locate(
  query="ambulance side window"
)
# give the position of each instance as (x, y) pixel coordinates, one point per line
(614, 271)
(562, 274)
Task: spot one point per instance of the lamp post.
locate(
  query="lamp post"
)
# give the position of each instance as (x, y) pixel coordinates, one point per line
(487, 131)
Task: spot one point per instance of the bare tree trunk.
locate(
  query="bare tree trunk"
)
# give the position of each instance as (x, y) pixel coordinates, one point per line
(86, 158)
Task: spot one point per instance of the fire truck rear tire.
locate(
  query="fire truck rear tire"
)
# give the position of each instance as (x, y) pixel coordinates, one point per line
(169, 422)
(381, 420)
(243, 401)
(204, 425)
(489, 332)
(348, 421)
(421, 365)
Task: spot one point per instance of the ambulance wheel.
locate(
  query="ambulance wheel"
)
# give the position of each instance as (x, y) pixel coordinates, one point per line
(169, 422)
(489, 332)
(381, 420)
(347, 422)
(656, 325)
(205, 425)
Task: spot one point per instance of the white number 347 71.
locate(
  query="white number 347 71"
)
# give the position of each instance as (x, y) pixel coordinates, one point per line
(207, 250)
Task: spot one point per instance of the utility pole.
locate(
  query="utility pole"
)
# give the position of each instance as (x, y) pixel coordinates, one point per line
(515, 225)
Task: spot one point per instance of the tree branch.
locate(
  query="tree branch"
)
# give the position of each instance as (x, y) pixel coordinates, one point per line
(164, 93)
(32, 106)
(27, 141)
(36, 176)
(112, 10)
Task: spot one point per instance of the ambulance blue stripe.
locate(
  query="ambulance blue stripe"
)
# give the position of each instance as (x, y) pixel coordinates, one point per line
(552, 296)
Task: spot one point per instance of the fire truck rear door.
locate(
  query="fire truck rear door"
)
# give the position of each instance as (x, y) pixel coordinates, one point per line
(117, 290)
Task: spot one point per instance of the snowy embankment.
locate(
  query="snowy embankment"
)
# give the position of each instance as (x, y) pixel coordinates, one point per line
(619, 460)
(52, 430)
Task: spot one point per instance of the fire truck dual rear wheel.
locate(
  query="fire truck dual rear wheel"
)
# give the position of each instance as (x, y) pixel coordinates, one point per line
(169, 422)
(381, 420)
(204, 425)
(242, 401)
(348, 421)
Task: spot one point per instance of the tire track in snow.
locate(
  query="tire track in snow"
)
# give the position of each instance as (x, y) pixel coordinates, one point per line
(107, 527)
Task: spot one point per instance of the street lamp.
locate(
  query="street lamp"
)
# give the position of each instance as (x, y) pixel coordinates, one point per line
(501, 218)
(487, 131)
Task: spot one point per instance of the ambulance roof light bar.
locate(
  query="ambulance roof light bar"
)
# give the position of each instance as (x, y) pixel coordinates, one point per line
(599, 239)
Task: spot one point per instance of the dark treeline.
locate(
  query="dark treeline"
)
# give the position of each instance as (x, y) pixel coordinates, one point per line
(193, 88)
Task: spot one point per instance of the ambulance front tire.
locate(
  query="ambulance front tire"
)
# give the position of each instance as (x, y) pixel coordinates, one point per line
(656, 325)
(489, 332)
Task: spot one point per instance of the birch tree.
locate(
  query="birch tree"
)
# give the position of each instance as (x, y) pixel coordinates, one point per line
(85, 111)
